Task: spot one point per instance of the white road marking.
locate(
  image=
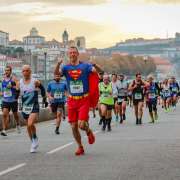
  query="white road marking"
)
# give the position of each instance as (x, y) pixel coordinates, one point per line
(60, 148)
(12, 169)
(65, 146)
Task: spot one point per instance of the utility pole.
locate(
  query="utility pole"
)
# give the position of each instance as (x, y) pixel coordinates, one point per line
(45, 69)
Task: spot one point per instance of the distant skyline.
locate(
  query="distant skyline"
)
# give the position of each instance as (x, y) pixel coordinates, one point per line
(102, 22)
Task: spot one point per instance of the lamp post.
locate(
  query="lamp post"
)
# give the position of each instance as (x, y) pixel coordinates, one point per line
(45, 68)
(145, 62)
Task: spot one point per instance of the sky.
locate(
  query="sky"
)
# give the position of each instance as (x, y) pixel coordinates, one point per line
(102, 22)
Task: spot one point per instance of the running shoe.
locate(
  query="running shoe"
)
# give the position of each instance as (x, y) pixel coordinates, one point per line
(80, 151)
(35, 143)
(91, 138)
(57, 132)
(3, 133)
(33, 150)
(18, 128)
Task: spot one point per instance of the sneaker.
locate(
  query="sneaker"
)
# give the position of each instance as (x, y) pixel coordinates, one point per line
(18, 128)
(33, 150)
(35, 143)
(91, 138)
(109, 129)
(80, 151)
(57, 132)
(3, 133)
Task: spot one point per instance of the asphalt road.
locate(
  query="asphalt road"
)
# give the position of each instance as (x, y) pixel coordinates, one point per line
(129, 152)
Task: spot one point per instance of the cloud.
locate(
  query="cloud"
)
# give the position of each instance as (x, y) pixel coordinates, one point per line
(152, 1)
(58, 2)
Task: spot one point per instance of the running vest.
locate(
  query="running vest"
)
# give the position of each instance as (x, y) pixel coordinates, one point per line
(29, 95)
(105, 94)
(138, 92)
(114, 89)
(152, 92)
(122, 87)
(8, 94)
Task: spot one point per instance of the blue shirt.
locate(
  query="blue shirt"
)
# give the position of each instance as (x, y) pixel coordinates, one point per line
(8, 94)
(57, 91)
(77, 78)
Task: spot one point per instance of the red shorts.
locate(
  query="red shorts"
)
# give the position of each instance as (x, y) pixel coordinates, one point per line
(78, 109)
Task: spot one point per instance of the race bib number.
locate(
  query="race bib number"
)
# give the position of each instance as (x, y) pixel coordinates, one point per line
(27, 109)
(7, 93)
(152, 95)
(174, 89)
(105, 95)
(121, 94)
(167, 94)
(138, 96)
(120, 100)
(76, 87)
(58, 95)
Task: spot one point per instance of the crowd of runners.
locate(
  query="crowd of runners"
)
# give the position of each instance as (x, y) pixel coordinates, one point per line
(85, 87)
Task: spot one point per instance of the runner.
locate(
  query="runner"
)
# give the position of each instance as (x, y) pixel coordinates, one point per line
(115, 95)
(9, 100)
(77, 75)
(29, 87)
(99, 106)
(106, 102)
(122, 87)
(166, 95)
(152, 92)
(56, 92)
(174, 87)
(137, 88)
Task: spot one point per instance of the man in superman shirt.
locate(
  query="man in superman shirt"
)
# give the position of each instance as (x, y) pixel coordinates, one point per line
(77, 75)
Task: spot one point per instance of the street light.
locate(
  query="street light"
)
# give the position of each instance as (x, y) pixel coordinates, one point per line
(45, 69)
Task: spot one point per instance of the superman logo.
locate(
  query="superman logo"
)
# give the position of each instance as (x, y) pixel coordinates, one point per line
(75, 74)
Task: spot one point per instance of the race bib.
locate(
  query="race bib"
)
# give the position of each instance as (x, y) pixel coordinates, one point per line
(27, 109)
(167, 94)
(76, 87)
(138, 96)
(121, 93)
(7, 93)
(152, 95)
(58, 95)
(120, 100)
(174, 89)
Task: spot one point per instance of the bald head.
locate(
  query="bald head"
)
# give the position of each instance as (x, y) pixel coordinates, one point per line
(26, 71)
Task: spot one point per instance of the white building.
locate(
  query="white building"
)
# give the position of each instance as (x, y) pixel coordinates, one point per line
(4, 38)
(32, 40)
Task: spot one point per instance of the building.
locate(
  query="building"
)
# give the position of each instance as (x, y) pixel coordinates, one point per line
(4, 38)
(32, 40)
(16, 44)
(14, 62)
(80, 42)
(65, 38)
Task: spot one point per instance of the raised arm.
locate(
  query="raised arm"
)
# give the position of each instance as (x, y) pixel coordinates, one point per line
(97, 68)
(57, 68)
